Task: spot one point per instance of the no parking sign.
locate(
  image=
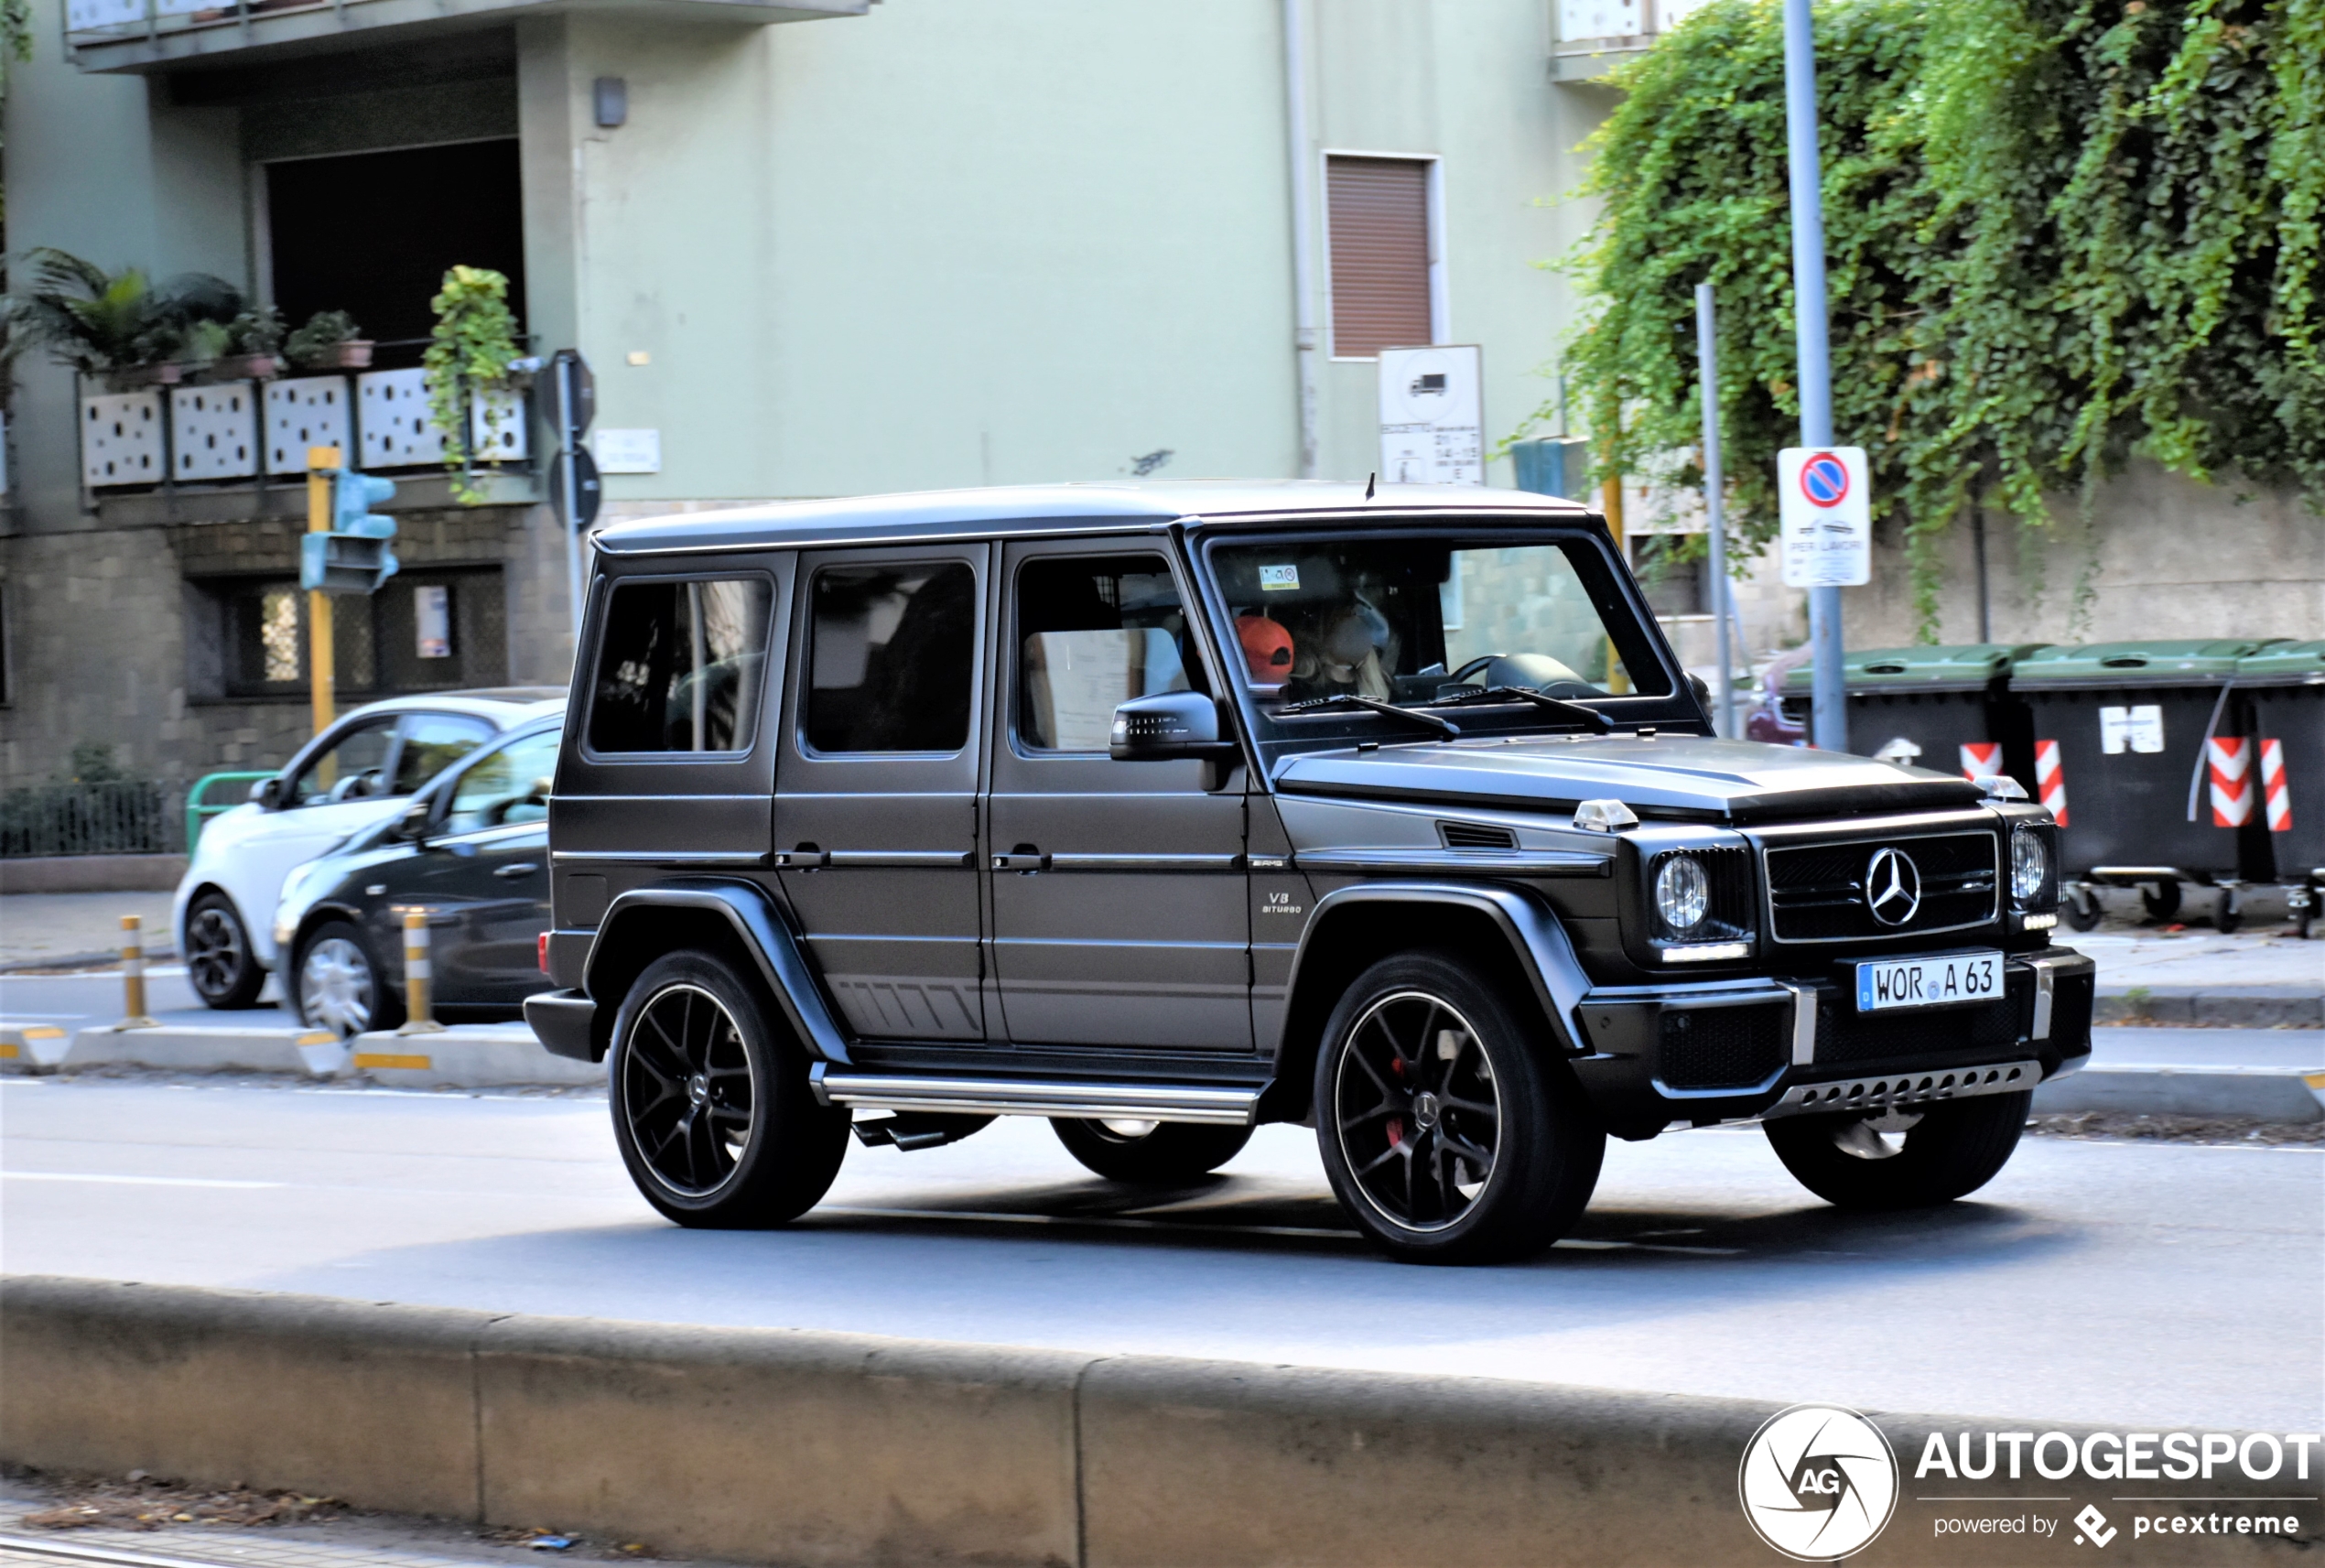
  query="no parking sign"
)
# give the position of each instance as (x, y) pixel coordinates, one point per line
(1828, 516)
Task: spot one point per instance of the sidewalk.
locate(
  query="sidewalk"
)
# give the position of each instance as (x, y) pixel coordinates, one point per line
(60, 928)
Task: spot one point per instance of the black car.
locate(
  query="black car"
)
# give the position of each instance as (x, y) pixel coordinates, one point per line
(1165, 811)
(472, 851)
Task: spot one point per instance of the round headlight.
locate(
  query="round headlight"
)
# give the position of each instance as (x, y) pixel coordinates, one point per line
(2029, 864)
(1683, 893)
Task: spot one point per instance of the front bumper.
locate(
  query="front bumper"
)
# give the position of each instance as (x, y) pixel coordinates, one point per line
(1725, 1051)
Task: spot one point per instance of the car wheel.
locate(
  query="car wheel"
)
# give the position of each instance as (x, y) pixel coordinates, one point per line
(1149, 1152)
(1902, 1160)
(711, 1106)
(340, 984)
(225, 973)
(1450, 1132)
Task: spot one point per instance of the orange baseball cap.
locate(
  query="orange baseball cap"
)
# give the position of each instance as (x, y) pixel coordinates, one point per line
(1266, 649)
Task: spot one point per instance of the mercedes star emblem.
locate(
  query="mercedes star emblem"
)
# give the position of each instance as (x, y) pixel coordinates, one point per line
(1892, 887)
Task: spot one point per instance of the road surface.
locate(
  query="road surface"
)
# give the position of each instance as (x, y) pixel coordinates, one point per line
(2157, 1284)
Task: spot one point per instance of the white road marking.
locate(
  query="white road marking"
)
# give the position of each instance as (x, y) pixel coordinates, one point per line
(132, 1181)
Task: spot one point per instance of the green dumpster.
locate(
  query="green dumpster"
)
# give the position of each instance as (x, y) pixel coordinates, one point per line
(2121, 733)
(2282, 688)
(1946, 707)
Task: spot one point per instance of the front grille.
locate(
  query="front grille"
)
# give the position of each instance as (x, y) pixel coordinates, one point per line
(1845, 1037)
(1723, 1047)
(1816, 892)
(1476, 836)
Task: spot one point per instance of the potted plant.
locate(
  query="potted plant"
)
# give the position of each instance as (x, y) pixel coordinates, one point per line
(329, 340)
(110, 327)
(254, 346)
(469, 353)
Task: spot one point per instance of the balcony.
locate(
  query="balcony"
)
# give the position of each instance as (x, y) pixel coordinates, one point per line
(139, 36)
(1594, 37)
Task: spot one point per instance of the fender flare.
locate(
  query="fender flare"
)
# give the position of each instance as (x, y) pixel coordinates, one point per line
(764, 932)
(1536, 938)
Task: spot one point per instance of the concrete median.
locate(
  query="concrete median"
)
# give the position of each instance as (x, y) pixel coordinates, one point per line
(774, 1445)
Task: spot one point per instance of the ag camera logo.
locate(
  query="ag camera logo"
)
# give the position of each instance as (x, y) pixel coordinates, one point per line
(1818, 1482)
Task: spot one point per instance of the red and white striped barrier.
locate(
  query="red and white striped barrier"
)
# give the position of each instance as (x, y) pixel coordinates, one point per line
(2278, 803)
(1981, 759)
(2050, 780)
(2230, 758)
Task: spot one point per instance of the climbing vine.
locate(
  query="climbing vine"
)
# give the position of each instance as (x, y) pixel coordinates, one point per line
(2059, 234)
(470, 351)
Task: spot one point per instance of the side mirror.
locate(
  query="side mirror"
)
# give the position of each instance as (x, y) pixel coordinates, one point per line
(1703, 691)
(1173, 726)
(268, 793)
(418, 818)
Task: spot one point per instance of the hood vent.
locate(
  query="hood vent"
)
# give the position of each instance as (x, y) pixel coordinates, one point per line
(1476, 836)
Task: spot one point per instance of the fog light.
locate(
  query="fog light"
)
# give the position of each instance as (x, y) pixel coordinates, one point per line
(1683, 893)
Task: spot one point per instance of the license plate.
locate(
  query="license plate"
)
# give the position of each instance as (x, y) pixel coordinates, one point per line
(1936, 980)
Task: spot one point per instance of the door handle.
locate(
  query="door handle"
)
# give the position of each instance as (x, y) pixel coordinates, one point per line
(521, 869)
(1024, 858)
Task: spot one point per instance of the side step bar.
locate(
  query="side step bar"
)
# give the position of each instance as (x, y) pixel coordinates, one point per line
(1037, 1097)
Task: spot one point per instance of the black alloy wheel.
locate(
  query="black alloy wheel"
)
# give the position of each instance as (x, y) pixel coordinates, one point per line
(219, 961)
(1449, 1129)
(711, 1106)
(1149, 1151)
(1931, 1154)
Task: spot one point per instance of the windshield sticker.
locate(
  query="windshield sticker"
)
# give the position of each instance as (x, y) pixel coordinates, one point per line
(1279, 580)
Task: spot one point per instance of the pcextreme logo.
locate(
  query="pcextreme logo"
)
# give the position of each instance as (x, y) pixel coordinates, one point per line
(1818, 1482)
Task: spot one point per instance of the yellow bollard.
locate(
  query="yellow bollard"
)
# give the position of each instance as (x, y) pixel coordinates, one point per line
(132, 975)
(416, 976)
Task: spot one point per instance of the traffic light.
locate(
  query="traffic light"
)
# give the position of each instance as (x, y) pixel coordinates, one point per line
(352, 557)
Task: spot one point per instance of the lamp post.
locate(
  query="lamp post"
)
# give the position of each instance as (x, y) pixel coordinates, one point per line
(1830, 727)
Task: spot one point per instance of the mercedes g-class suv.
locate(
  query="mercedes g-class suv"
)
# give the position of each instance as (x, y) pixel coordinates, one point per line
(1165, 811)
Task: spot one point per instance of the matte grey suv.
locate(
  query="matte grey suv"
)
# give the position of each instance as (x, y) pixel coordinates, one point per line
(1163, 811)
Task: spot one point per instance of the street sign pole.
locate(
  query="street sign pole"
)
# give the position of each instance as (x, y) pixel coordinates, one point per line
(1830, 728)
(322, 466)
(571, 495)
(1707, 349)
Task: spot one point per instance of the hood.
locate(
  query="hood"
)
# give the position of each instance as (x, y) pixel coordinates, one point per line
(1683, 778)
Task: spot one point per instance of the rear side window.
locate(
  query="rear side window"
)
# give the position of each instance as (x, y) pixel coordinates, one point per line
(681, 666)
(892, 658)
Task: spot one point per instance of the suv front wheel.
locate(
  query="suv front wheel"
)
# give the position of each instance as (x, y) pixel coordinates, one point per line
(1902, 1160)
(1449, 1133)
(711, 1108)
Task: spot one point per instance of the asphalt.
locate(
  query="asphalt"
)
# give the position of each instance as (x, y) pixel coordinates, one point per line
(2110, 1283)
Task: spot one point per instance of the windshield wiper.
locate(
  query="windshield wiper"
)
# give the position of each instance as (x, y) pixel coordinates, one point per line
(1444, 728)
(1590, 716)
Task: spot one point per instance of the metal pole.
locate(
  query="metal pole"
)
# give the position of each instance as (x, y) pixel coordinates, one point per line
(1978, 539)
(1303, 293)
(571, 510)
(1830, 726)
(132, 975)
(1707, 359)
(322, 464)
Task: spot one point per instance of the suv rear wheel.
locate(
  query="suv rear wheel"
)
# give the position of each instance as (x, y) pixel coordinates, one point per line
(1448, 1133)
(711, 1108)
(224, 971)
(1149, 1152)
(1902, 1160)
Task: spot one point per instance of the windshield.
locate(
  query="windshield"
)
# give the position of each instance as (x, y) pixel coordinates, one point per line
(1420, 622)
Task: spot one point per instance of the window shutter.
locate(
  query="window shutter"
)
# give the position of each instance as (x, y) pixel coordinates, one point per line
(1378, 216)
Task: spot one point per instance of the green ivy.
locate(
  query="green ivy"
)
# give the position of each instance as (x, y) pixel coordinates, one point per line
(2059, 233)
(470, 351)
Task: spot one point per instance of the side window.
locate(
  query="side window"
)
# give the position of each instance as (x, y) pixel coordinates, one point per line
(507, 787)
(1093, 631)
(354, 769)
(681, 666)
(893, 657)
(433, 742)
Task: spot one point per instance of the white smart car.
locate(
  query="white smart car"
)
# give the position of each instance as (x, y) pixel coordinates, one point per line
(356, 774)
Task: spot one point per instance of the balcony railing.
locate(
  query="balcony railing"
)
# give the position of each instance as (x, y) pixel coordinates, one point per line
(230, 433)
(155, 35)
(1594, 36)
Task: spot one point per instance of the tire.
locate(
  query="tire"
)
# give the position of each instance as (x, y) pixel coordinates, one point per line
(1953, 1150)
(2081, 910)
(219, 964)
(1148, 1153)
(1498, 1164)
(711, 1108)
(336, 982)
(2162, 902)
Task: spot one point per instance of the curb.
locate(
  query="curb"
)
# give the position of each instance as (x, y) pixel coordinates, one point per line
(467, 1057)
(2218, 1006)
(2270, 1094)
(786, 1446)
